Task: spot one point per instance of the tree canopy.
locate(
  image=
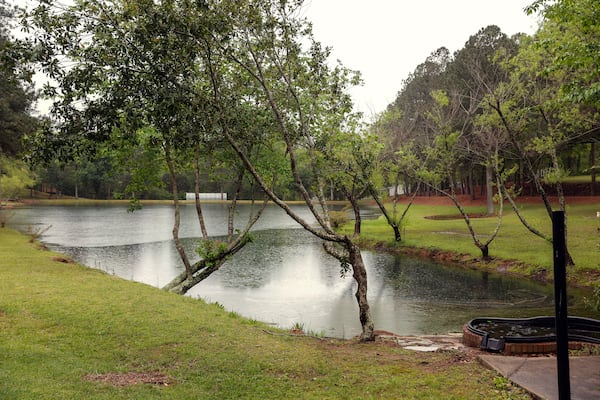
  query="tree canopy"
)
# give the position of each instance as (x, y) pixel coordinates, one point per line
(16, 120)
(190, 85)
(506, 114)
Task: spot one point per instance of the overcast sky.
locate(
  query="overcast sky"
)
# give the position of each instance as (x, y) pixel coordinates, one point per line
(386, 39)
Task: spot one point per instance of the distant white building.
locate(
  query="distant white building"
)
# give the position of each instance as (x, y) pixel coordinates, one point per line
(206, 196)
(395, 189)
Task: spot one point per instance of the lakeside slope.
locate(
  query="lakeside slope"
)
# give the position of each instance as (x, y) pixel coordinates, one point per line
(67, 331)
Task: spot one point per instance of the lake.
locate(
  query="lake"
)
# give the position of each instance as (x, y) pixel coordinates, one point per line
(284, 277)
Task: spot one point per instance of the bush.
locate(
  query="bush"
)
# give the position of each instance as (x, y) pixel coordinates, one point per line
(338, 219)
(594, 301)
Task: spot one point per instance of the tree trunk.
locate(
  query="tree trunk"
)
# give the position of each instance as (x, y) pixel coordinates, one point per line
(534, 175)
(323, 229)
(517, 211)
(593, 167)
(197, 197)
(489, 179)
(521, 175)
(485, 252)
(563, 206)
(357, 217)
(177, 216)
(392, 220)
(397, 234)
(359, 272)
(470, 183)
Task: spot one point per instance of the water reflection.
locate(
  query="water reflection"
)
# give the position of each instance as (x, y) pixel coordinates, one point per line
(284, 276)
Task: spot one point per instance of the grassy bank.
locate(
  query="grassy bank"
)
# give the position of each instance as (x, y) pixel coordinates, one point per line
(515, 250)
(69, 332)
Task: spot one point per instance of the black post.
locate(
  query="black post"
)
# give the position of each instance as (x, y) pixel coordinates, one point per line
(560, 303)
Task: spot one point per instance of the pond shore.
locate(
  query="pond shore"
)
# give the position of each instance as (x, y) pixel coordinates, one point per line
(515, 251)
(586, 274)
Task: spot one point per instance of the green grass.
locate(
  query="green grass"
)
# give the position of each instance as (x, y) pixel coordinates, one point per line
(532, 254)
(61, 322)
(578, 179)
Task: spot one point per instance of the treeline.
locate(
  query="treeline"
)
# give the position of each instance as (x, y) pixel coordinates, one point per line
(15, 113)
(103, 178)
(519, 112)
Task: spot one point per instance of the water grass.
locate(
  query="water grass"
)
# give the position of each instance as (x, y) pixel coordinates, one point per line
(70, 332)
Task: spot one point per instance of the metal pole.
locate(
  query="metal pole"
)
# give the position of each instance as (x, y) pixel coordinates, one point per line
(560, 304)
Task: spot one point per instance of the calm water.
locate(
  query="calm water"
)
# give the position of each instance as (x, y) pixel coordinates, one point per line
(283, 277)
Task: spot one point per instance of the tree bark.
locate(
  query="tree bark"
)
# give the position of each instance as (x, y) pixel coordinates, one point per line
(483, 246)
(177, 221)
(489, 180)
(392, 220)
(593, 168)
(359, 272)
(197, 196)
(470, 182)
(526, 224)
(485, 252)
(357, 217)
(203, 268)
(563, 205)
(351, 254)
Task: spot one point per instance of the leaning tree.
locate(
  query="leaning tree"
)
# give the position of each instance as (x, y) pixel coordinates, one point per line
(274, 53)
(178, 79)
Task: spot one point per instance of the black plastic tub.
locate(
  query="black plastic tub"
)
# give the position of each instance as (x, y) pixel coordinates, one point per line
(495, 333)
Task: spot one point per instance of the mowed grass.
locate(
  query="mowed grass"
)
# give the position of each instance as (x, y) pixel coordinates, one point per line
(514, 242)
(61, 323)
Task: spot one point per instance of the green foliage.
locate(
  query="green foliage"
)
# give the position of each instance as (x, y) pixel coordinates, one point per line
(338, 218)
(594, 301)
(501, 383)
(345, 268)
(16, 93)
(138, 156)
(571, 33)
(211, 250)
(298, 327)
(15, 177)
(440, 97)
(511, 99)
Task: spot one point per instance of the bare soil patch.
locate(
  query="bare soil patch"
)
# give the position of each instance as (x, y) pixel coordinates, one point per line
(130, 378)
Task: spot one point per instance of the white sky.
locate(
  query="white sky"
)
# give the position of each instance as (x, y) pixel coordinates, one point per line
(386, 39)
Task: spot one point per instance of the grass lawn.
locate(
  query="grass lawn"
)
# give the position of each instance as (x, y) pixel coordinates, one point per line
(515, 249)
(70, 332)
